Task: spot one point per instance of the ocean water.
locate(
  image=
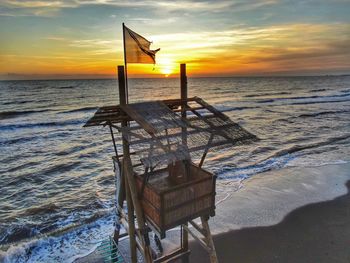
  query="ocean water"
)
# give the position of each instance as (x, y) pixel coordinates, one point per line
(56, 177)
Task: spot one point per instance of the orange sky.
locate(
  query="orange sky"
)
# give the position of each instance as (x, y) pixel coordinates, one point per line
(83, 39)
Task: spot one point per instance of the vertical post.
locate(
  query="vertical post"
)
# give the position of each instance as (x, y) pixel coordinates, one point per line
(128, 181)
(121, 86)
(126, 69)
(121, 195)
(183, 87)
(209, 240)
(131, 221)
(122, 101)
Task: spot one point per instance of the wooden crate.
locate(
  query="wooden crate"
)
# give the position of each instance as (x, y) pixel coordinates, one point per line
(167, 203)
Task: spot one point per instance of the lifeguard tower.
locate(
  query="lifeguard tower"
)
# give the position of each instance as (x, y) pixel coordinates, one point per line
(158, 184)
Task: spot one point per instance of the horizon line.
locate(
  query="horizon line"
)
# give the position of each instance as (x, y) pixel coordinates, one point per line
(175, 76)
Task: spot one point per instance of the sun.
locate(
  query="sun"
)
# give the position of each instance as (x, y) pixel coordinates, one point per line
(166, 71)
(166, 66)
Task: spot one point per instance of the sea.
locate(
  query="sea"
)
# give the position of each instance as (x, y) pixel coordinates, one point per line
(56, 177)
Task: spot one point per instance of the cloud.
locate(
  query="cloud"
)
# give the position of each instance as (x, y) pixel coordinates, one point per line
(256, 49)
(36, 4)
(49, 8)
(54, 38)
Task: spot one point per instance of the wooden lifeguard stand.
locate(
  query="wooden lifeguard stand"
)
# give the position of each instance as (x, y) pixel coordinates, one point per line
(158, 185)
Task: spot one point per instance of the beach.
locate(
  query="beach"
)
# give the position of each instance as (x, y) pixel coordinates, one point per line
(317, 232)
(271, 220)
(313, 233)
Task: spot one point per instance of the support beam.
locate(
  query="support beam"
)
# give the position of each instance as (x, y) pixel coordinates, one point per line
(128, 173)
(209, 240)
(122, 85)
(200, 241)
(183, 87)
(184, 96)
(121, 194)
(131, 223)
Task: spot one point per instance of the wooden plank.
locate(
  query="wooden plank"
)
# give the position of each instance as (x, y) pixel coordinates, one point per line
(178, 102)
(211, 108)
(200, 241)
(197, 227)
(172, 256)
(188, 108)
(131, 223)
(209, 241)
(139, 119)
(115, 114)
(214, 128)
(128, 173)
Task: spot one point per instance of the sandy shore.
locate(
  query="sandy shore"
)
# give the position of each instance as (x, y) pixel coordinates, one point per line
(271, 219)
(314, 233)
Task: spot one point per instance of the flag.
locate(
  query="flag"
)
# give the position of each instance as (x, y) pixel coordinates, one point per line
(137, 48)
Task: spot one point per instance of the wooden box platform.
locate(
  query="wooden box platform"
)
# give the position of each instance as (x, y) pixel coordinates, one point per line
(167, 204)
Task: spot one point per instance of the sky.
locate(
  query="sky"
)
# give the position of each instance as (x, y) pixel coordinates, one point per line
(83, 38)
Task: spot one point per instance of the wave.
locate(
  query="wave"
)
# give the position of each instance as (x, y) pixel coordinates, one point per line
(317, 90)
(242, 173)
(21, 166)
(41, 124)
(266, 94)
(311, 115)
(317, 102)
(298, 148)
(28, 139)
(266, 101)
(305, 97)
(80, 109)
(18, 140)
(315, 114)
(15, 114)
(276, 160)
(75, 242)
(54, 220)
(15, 233)
(60, 168)
(228, 109)
(65, 87)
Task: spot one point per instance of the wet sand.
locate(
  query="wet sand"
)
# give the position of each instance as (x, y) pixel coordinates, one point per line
(313, 233)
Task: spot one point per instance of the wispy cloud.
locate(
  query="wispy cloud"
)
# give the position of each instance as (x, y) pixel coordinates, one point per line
(47, 7)
(54, 38)
(36, 4)
(261, 48)
(97, 47)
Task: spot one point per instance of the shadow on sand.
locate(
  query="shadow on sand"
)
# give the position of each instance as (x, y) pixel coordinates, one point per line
(315, 233)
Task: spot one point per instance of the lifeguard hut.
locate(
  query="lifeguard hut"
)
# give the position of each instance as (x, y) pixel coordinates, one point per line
(158, 184)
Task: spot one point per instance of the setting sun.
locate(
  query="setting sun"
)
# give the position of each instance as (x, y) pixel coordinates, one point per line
(166, 65)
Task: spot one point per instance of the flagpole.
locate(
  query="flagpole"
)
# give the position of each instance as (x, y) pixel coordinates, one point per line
(126, 68)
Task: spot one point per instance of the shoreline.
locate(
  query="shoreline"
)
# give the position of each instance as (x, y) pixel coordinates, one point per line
(266, 198)
(265, 203)
(318, 232)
